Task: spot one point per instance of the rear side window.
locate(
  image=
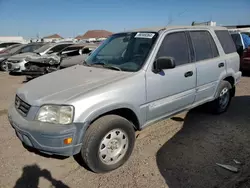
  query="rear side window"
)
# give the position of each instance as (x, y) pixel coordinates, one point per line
(175, 45)
(204, 45)
(226, 41)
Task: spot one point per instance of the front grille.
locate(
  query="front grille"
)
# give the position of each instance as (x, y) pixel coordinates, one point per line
(21, 106)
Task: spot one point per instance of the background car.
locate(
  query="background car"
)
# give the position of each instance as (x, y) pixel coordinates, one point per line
(75, 54)
(17, 62)
(14, 60)
(69, 56)
(242, 43)
(7, 44)
(7, 52)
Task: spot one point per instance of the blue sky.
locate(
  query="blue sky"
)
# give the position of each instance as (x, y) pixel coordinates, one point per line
(73, 17)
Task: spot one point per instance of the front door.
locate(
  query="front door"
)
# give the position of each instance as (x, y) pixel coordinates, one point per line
(172, 89)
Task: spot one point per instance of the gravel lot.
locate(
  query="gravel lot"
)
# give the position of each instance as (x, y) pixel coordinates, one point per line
(179, 152)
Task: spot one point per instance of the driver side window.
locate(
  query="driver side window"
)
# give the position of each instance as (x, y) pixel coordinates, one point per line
(175, 45)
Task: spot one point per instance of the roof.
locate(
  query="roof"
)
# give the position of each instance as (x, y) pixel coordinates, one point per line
(95, 34)
(157, 29)
(55, 36)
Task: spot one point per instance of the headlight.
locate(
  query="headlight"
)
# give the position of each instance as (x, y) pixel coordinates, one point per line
(56, 114)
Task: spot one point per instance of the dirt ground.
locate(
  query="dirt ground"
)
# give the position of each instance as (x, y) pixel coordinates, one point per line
(179, 152)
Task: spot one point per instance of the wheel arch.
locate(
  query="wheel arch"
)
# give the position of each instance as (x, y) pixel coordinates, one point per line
(124, 111)
(231, 80)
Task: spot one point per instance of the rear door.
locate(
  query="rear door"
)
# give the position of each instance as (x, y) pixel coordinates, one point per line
(209, 65)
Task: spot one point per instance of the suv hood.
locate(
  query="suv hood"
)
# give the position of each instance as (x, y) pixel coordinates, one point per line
(60, 86)
(22, 56)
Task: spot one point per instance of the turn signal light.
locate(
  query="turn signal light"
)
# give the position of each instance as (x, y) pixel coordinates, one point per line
(68, 140)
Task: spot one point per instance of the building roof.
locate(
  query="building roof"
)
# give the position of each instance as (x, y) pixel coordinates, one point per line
(78, 37)
(54, 36)
(95, 34)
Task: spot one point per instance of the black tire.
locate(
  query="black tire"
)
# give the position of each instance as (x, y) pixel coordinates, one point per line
(216, 107)
(2, 66)
(94, 135)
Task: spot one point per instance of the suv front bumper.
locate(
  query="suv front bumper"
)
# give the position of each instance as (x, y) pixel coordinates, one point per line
(45, 137)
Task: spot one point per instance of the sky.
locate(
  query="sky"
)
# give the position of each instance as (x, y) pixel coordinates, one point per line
(68, 18)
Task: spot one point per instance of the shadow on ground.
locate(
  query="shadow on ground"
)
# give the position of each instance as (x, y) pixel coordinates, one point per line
(189, 158)
(30, 178)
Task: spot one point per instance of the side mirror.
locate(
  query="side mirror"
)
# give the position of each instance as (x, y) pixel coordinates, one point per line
(163, 63)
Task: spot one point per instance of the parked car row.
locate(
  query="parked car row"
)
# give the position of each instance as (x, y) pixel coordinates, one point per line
(36, 59)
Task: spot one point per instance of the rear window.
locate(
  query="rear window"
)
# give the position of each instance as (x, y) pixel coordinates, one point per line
(226, 41)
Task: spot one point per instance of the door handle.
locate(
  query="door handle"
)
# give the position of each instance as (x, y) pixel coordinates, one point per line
(188, 74)
(221, 65)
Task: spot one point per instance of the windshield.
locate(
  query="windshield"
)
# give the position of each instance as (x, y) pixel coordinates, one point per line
(44, 48)
(126, 51)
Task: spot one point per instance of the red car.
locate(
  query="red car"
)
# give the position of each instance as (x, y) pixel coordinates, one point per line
(242, 50)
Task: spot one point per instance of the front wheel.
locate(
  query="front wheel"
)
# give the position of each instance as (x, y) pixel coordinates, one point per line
(224, 96)
(108, 143)
(3, 66)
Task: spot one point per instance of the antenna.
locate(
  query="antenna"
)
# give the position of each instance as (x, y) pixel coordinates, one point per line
(170, 18)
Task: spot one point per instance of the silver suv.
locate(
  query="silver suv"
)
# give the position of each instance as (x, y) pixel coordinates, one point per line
(132, 80)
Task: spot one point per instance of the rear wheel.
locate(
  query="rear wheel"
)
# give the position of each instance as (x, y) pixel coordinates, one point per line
(108, 143)
(224, 96)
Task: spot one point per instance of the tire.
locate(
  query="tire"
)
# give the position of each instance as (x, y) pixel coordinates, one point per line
(3, 66)
(223, 98)
(98, 141)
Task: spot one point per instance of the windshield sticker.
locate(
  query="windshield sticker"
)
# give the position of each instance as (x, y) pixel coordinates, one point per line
(145, 35)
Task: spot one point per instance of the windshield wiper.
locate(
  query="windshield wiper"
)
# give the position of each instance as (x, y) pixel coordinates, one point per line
(85, 63)
(112, 67)
(108, 66)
